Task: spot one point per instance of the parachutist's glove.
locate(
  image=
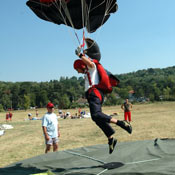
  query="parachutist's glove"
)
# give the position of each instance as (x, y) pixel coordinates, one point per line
(78, 51)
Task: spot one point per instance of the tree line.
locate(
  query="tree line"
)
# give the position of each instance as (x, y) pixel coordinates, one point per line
(149, 84)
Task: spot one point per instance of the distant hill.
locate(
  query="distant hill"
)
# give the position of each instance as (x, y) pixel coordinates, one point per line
(151, 72)
(155, 83)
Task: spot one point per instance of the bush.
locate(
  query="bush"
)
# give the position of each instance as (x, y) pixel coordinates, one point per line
(1, 108)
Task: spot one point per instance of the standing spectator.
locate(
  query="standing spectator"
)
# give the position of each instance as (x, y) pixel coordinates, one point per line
(10, 116)
(126, 106)
(7, 117)
(79, 112)
(50, 128)
(37, 113)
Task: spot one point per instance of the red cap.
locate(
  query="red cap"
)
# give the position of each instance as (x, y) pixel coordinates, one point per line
(79, 64)
(50, 105)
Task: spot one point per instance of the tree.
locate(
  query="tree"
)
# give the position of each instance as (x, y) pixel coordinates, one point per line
(166, 93)
(123, 93)
(15, 95)
(26, 103)
(64, 102)
(33, 99)
(1, 108)
(111, 99)
(6, 101)
(42, 99)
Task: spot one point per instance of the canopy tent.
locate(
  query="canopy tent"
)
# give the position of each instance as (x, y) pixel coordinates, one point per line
(139, 157)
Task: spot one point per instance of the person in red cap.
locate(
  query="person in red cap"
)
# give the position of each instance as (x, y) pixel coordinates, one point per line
(50, 128)
(87, 67)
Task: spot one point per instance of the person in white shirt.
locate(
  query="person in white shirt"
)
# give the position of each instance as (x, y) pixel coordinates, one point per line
(50, 128)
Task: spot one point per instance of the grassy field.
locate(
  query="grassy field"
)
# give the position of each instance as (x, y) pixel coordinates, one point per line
(26, 139)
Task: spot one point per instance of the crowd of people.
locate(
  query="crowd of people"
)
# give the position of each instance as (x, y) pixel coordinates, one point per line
(50, 121)
(78, 115)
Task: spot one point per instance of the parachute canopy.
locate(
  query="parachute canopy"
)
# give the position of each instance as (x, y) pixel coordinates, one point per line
(75, 13)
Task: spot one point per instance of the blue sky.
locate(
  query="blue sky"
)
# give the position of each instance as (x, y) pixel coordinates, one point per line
(140, 35)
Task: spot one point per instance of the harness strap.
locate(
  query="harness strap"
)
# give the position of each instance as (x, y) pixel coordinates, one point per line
(93, 88)
(89, 78)
(96, 92)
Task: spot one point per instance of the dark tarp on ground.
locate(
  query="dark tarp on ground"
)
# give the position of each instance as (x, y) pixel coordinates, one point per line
(140, 157)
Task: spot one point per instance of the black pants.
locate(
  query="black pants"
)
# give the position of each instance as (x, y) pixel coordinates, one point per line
(102, 120)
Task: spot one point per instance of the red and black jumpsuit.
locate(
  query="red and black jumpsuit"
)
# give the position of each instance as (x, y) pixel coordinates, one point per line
(95, 98)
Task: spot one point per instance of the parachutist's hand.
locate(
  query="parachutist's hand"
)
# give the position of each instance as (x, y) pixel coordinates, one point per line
(78, 51)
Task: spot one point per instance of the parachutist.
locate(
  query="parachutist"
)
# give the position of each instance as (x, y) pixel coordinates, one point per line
(97, 83)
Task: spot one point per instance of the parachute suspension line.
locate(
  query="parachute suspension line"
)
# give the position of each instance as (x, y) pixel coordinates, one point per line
(66, 11)
(87, 18)
(84, 17)
(98, 5)
(107, 9)
(46, 5)
(109, 6)
(83, 12)
(77, 38)
(83, 25)
(55, 3)
(64, 5)
(98, 32)
(42, 12)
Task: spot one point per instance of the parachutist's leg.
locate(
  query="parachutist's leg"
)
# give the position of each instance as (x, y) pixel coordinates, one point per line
(123, 124)
(102, 120)
(108, 131)
(112, 143)
(105, 127)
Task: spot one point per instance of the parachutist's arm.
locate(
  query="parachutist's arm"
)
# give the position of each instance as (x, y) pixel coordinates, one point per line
(87, 61)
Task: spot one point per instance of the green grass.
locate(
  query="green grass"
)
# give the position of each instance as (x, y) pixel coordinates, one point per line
(26, 140)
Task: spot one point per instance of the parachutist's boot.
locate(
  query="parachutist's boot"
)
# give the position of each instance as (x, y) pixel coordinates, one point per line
(112, 142)
(125, 125)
